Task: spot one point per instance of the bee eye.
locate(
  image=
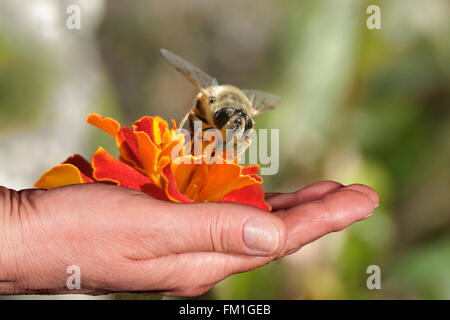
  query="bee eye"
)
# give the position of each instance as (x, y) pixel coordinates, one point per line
(248, 123)
(222, 116)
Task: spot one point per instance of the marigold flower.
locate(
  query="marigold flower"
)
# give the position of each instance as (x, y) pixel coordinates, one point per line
(150, 163)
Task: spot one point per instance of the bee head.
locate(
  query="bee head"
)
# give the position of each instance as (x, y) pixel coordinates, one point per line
(232, 118)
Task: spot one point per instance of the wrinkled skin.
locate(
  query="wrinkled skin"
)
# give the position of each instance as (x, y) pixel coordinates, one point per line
(125, 241)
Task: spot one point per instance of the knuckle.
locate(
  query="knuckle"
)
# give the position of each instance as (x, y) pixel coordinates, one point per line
(216, 230)
(333, 219)
(9, 202)
(13, 247)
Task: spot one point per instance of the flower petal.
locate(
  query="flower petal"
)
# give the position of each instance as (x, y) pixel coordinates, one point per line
(61, 175)
(125, 138)
(128, 146)
(252, 195)
(252, 169)
(108, 168)
(82, 164)
(155, 127)
(109, 125)
(149, 155)
(184, 172)
(221, 179)
(170, 183)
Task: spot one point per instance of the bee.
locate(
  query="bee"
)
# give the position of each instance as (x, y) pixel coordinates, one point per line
(222, 107)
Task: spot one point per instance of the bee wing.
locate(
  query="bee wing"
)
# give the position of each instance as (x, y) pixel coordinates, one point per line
(262, 101)
(192, 73)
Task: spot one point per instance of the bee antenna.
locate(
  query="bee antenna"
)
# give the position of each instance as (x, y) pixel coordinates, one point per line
(206, 94)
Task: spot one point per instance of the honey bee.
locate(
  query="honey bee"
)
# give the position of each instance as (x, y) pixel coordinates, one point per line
(223, 107)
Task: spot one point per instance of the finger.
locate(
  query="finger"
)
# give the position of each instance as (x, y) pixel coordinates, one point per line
(203, 278)
(336, 211)
(219, 227)
(195, 274)
(372, 194)
(309, 193)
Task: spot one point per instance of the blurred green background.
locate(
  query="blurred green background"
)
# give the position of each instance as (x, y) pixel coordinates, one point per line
(360, 106)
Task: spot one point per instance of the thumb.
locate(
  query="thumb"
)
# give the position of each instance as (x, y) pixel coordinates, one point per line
(226, 227)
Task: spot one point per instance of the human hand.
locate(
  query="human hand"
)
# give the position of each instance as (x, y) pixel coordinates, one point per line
(125, 241)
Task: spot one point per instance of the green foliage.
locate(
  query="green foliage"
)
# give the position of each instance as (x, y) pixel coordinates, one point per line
(25, 81)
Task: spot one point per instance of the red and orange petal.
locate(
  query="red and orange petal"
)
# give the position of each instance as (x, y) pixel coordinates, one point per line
(150, 155)
(189, 176)
(155, 127)
(66, 173)
(251, 169)
(82, 164)
(209, 182)
(109, 169)
(109, 125)
(221, 179)
(252, 195)
(125, 139)
(170, 184)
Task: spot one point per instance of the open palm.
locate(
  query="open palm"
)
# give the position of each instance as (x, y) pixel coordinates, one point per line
(124, 241)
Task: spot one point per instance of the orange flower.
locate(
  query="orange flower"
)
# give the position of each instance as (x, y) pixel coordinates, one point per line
(152, 161)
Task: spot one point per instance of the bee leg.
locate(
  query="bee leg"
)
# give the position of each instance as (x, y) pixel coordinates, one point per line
(244, 146)
(183, 121)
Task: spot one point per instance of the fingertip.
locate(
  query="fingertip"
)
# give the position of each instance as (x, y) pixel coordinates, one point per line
(328, 184)
(368, 191)
(350, 206)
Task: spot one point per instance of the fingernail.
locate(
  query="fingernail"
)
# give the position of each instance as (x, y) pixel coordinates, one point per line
(261, 236)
